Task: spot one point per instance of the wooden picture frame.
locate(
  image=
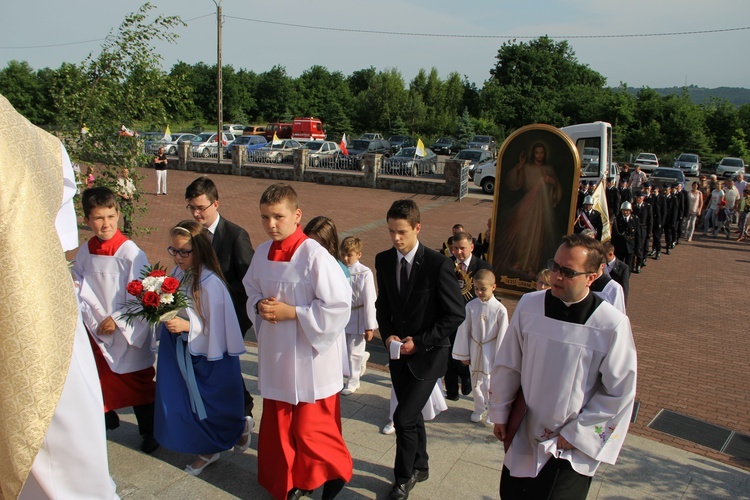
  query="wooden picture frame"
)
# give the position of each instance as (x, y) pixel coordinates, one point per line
(536, 187)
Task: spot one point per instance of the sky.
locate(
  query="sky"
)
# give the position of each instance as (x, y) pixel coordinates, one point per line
(47, 33)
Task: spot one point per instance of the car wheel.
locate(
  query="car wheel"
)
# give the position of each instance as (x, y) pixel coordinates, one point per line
(433, 168)
(488, 185)
(205, 153)
(278, 158)
(415, 171)
(316, 162)
(172, 151)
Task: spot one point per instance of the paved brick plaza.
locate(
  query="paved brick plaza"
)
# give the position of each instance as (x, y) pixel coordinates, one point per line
(688, 310)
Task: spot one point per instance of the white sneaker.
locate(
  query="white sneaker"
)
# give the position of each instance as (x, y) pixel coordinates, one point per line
(363, 370)
(488, 422)
(350, 390)
(388, 428)
(476, 417)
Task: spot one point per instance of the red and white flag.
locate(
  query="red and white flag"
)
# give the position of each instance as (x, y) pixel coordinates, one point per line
(342, 145)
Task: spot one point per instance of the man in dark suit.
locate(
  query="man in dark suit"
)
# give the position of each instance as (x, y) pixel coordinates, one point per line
(617, 269)
(659, 213)
(232, 246)
(624, 232)
(465, 265)
(588, 218)
(613, 198)
(642, 210)
(682, 212)
(670, 218)
(418, 306)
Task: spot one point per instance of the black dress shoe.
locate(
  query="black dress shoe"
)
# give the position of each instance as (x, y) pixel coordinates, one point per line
(657, 256)
(401, 491)
(637, 270)
(466, 385)
(421, 475)
(296, 494)
(149, 444)
(332, 488)
(652, 253)
(643, 264)
(452, 397)
(111, 420)
(667, 251)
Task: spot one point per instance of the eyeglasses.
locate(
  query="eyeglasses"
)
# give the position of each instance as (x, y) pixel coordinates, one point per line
(200, 210)
(565, 271)
(176, 251)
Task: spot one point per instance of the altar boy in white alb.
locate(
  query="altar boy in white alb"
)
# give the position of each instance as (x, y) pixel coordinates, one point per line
(479, 338)
(573, 356)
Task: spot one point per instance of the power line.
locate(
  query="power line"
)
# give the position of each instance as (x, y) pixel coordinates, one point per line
(449, 35)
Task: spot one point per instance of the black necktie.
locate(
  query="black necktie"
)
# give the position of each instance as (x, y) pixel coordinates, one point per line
(404, 279)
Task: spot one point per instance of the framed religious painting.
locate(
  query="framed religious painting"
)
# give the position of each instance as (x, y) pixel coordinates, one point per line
(535, 202)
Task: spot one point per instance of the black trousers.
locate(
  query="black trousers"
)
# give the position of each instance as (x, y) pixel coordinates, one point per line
(657, 239)
(556, 481)
(144, 415)
(669, 234)
(411, 439)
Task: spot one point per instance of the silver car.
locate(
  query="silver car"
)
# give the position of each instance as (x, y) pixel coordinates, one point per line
(689, 163)
(170, 146)
(729, 166)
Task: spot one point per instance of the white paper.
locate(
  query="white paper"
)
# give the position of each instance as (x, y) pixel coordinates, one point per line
(395, 349)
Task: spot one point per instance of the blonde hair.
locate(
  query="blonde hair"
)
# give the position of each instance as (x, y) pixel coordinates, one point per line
(351, 244)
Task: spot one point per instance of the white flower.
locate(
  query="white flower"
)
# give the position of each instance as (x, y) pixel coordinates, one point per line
(152, 283)
(167, 298)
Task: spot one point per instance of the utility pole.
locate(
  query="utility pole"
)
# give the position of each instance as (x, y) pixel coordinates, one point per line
(219, 107)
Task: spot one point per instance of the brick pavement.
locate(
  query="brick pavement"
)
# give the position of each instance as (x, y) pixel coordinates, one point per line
(686, 309)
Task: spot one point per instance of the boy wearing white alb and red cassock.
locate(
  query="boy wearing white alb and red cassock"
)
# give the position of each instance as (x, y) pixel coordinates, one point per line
(124, 359)
(301, 301)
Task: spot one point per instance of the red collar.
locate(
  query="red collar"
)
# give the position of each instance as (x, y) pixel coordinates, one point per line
(109, 247)
(282, 251)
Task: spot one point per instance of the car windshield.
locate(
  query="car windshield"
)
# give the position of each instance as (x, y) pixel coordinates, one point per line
(397, 138)
(444, 140)
(591, 151)
(731, 162)
(243, 139)
(647, 157)
(407, 152)
(359, 144)
(313, 145)
(688, 158)
(480, 138)
(202, 137)
(667, 174)
(469, 155)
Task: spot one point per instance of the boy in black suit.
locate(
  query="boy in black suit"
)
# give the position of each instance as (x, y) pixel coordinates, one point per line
(232, 246)
(419, 306)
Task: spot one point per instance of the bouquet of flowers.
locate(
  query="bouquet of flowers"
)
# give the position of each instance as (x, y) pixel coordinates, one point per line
(158, 297)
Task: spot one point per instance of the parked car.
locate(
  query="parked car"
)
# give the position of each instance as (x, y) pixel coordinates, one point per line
(307, 129)
(277, 153)
(446, 146)
(590, 162)
(149, 139)
(484, 177)
(475, 157)
(666, 175)
(369, 136)
(729, 166)
(486, 142)
(689, 163)
(255, 130)
(406, 162)
(233, 128)
(170, 146)
(205, 145)
(401, 141)
(251, 142)
(647, 161)
(282, 131)
(319, 150)
(358, 148)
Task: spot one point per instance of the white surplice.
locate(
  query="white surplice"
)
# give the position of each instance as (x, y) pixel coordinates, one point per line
(102, 281)
(300, 360)
(363, 300)
(72, 462)
(614, 294)
(578, 380)
(479, 336)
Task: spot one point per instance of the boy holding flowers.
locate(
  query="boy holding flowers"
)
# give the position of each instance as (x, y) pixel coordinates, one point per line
(103, 268)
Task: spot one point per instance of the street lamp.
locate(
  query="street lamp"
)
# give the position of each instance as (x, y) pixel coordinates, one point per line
(219, 108)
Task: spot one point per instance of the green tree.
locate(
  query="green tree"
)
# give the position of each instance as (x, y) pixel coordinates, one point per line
(276, 96)
(20, 85)
(722, 122)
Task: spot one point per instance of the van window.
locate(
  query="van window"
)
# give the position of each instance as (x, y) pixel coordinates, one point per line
(589, 149)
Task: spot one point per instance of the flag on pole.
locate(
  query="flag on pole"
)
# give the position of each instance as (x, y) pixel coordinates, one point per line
(420, 148)
(342, 145)
(275, 141)
(167, 135)
(600, 205)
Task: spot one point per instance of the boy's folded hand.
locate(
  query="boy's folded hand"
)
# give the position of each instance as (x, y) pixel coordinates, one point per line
(106, 327)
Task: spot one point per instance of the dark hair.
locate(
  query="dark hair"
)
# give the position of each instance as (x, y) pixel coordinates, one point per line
(462, 236)
(595, 255)
(96, 197)
(458, 226)
(202, 185)
(203, 255)
(280, 193)
(608, 247)
(404, 209)
(351, 244)
(325, 230)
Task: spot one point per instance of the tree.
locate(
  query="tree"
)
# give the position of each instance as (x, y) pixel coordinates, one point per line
(19, 84)
(276, 95)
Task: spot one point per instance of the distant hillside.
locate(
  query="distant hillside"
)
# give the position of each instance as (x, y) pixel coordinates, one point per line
(736, 95)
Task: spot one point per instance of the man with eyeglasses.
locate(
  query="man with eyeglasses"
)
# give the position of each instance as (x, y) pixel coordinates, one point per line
(232, 246)
(572, 356)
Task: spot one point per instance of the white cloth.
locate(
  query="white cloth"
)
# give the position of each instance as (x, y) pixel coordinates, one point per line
(102, 292)
(300, 360)
(72, 462)
(434, 406)
(614, 294)
(126, 187)
(161, 181)
(355, 352)
(215, 331)
(731, 196)
(578, 381)
(363, 300)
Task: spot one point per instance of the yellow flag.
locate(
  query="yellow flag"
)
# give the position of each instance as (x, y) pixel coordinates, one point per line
(420, 148)
(600, 205)
(167, 134)
(275, 140)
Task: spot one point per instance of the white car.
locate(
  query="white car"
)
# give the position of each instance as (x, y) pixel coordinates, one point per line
(484, 177)
(320, 150)
(730, 166)
(647, 161)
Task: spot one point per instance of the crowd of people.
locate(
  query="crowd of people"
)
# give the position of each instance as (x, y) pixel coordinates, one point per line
(313, 306)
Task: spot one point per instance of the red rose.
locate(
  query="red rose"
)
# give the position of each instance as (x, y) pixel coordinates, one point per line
(157, 273)
(170, 285)
(151, 299)
(135, 288)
